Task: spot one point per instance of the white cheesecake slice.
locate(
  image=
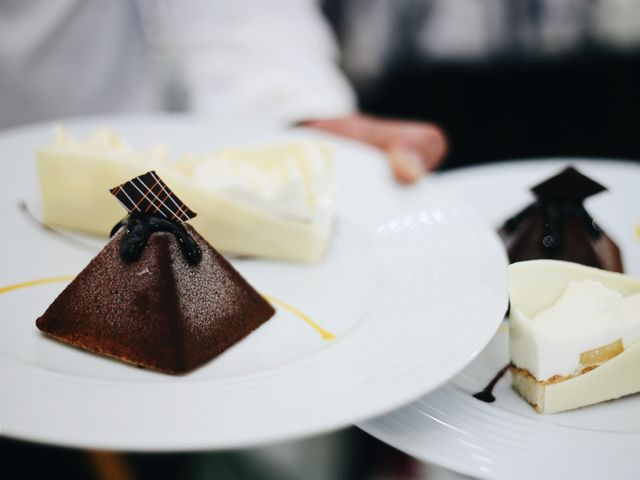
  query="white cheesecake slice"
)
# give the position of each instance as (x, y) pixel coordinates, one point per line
(273, 202)
(574, 334)
(75, 177)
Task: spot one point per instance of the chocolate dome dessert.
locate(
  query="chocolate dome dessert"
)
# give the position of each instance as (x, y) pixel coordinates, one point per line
(557, 226)
(158, 295)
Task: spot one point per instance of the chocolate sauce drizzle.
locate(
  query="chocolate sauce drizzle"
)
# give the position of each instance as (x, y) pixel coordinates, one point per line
(486, 394)
(139, 228)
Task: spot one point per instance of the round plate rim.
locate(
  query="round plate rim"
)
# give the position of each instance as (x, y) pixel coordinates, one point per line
(367, 411)
(441, 427)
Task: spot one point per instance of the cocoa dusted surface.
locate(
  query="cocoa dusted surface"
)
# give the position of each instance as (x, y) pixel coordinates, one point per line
(158, 312)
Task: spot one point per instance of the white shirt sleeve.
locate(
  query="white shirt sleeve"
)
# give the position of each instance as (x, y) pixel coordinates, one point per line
(259, 60)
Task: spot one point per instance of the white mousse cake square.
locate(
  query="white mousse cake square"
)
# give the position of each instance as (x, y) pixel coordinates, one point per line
(574, 334)
(273, 201)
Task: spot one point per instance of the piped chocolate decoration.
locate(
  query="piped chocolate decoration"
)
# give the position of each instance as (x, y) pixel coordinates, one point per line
(139, 228)
(557, 226)
(152, 207)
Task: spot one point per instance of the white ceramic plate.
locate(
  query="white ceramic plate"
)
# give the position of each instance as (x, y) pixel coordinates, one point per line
(507, 439)
(413, 288)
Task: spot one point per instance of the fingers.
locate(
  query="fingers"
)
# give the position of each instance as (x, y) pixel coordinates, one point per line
(406, 164)
(413, 148)
(355, 127)
(433, 147)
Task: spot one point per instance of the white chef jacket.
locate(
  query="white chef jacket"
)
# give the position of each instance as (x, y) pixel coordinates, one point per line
(234, 60)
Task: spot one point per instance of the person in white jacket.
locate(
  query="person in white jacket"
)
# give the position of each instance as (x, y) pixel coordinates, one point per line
(260, 61)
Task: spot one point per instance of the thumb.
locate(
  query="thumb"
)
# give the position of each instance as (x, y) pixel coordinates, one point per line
(406, 163)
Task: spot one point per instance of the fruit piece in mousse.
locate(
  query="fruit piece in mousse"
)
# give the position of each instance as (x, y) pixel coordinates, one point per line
(158, 295)
(557, 225)
(273, 202)
(574, 334)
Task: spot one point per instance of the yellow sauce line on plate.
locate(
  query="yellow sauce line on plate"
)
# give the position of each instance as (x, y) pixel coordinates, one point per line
(67, 278)
(33, 283)
(323, 333)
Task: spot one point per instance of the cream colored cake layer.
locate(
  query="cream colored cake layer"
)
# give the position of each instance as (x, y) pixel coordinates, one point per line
(586, 317)
(613, 379)
(273, 202)
(75, 178)
(613, 369)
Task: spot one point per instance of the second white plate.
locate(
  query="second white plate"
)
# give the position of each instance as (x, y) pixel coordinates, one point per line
(507, 439)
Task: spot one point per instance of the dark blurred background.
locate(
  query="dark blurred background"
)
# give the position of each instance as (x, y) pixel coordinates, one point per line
(505, 78)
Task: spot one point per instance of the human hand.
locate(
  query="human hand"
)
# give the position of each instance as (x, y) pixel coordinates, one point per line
(413, 148)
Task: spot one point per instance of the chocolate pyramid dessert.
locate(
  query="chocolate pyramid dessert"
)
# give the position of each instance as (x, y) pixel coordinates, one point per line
(158, 295)
(557, 226)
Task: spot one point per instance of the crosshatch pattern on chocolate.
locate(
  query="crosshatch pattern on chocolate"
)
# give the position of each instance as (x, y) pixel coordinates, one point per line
(147, 193)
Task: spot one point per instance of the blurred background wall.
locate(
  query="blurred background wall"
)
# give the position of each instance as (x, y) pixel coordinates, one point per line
(505, 78)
